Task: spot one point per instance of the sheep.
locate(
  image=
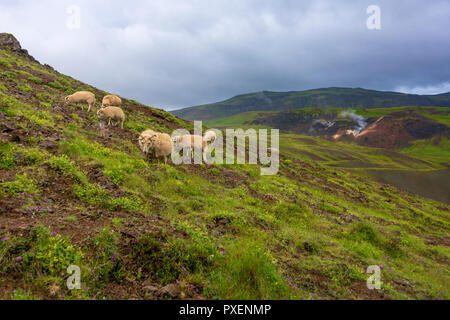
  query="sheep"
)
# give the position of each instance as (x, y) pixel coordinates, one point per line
(144, 139)
(210, 136)
(148, 132)
(192, 142)
(189, 140)
(111, 100)
(82, 96)
(160, 143)
(111, 113)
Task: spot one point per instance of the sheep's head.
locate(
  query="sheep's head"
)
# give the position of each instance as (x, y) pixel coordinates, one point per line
(100, 113)
(67, 99)
(146, 143)
(153, 138)
(177, 139)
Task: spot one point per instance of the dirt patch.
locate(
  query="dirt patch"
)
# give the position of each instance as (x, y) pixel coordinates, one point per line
(444, 241)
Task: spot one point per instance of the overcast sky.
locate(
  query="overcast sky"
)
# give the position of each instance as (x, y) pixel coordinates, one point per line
(173, 54)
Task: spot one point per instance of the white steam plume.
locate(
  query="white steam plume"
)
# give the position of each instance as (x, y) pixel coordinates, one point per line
(362, 123)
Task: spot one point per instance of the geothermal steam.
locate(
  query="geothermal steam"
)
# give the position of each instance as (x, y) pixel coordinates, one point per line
(360, 120)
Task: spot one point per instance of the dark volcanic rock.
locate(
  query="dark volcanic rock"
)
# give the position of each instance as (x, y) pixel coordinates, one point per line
(171, 290)
(9, 42)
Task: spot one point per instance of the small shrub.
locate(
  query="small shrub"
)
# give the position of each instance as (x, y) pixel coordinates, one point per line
(25, 87)
(33, 156)
(7, 156)
(64, 165)
(5, 64)
(56, 85)
(247, 271)
(40, 252)
(166, 260)
(91, 193)
(329, 208)
(21, 184)
(106, 265)
(45, 105)
(44, 96)
(364, 231)
(35, 80)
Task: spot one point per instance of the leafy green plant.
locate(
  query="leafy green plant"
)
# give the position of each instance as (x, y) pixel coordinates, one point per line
(32, 156)
(7, 156)
(247, 271)
(35, 80)
(41, 251)
(5, 64)
(62, 164)
(166, 260)
(21, 184)
(25, 87)
(106, 264)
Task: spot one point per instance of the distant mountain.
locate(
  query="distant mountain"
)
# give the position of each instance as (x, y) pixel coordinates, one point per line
(326, 97)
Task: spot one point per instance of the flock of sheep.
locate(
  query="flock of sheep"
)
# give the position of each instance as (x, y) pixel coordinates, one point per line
(151, 142)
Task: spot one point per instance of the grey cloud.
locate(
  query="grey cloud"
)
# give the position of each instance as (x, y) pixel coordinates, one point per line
(180, 53)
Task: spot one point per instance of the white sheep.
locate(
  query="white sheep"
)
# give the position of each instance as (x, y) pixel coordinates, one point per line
(210, 136)
(81, 96)
(160, 143)
(111, 100)
(111, 113)
(144, 139)
(191, 142)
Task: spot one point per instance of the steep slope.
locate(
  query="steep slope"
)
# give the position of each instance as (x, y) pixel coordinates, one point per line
(325, 98)
(142, 230)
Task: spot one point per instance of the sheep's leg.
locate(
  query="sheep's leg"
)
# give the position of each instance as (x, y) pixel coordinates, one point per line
(89, 109)
(204, 157)
(109, 121)
(122, 123)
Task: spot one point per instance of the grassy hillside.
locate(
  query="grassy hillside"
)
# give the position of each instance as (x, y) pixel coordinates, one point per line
(324, 98)
(143, 230)
(421, 169)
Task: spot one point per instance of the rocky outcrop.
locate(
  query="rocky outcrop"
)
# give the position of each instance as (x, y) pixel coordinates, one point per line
(398, 129)
(9, 42)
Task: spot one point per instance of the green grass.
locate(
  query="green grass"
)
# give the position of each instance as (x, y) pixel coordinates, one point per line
(441, 114)
(210, 230)
(21, 184)
(248, 272)
(430, 149)
(7, 160)
(234, 121)
(14, 108)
